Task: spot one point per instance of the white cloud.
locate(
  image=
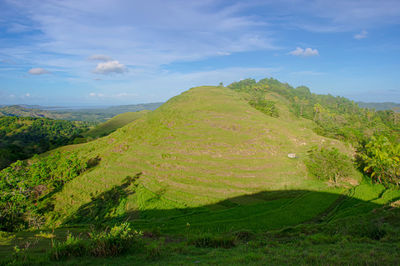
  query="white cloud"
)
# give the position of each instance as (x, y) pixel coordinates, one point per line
(100, 57)
(304, 52)
(38, 71)
(27, 94)
(142, 33)
(92, 94)
(362, 35)
(110, 67)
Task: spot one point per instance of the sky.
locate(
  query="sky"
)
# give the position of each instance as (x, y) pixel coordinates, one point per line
(100, 52)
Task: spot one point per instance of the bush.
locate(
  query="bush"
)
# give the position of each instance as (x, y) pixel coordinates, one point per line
(72, 247)
(328, 164)
(265, 106)
(115, 242)
(108, 243)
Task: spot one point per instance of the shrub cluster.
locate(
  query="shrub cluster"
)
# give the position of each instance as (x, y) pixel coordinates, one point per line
(109, 243)
(328, 164)
(23, 186)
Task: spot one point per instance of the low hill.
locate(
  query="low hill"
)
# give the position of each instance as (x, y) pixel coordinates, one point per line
(381, 106)
(201, 147)
(75, 114)
(114, 123)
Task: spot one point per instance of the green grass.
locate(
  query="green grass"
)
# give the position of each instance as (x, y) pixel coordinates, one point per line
(330, 239)
(205, 166)
(201, 147)
(114, 123)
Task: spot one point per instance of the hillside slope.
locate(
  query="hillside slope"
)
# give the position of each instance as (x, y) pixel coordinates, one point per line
(114, 123)
(201, 147)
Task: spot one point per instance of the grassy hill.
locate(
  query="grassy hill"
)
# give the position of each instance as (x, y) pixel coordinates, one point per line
(113, 124)
(208, 170)
(201, 147)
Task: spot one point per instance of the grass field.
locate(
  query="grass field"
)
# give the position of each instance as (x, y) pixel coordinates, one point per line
(114, 123)
(207, 165)
(199, 148)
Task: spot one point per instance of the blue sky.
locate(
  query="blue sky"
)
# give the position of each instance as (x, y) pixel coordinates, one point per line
(100, 52)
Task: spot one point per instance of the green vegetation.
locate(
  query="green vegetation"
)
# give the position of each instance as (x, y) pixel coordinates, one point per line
(109, 243)
(381, 159)
(84, 114)
(113, 124)
(22, 137)
(206, 179)
(340, 118)
(24, 188)
(329, 164)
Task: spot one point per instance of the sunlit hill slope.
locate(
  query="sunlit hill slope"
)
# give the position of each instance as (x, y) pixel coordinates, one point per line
(201, 147)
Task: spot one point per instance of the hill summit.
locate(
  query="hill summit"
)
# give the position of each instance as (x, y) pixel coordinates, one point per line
(201, 147)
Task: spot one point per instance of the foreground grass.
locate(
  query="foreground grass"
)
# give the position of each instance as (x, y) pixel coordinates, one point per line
(299, 247)
(362, 228)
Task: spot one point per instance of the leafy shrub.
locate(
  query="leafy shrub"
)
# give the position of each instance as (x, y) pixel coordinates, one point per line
(380, 158)
(328, 164)
(72, 247)
(108, 243)
(265, 106)
(115, 242)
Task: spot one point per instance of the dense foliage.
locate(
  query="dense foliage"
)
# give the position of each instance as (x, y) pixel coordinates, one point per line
(381, 159)
(24, 186)
(22, 137)
(341, 118)
(328, 164)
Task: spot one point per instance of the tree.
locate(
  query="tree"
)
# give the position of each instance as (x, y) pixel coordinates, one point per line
(381, 160)
(328, 164)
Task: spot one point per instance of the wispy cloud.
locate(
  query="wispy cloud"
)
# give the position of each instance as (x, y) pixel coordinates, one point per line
(304, 52)
(139, 33)
(38, 71)
(362, 35)
(325, 16)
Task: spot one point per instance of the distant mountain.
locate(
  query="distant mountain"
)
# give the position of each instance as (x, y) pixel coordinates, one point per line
(96, 114)
(381, 106)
